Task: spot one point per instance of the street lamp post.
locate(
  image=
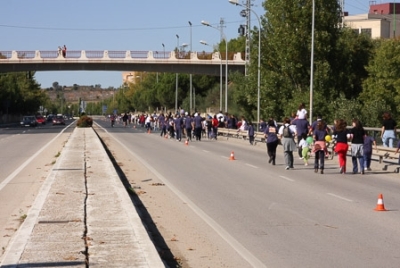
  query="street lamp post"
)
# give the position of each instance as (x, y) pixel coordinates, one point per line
(163, 49)
(312, 61)
(190, 77)
(176, 80)
(236, 2)
(226, 67)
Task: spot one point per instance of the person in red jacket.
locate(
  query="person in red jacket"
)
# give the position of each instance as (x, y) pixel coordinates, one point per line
(215, 124)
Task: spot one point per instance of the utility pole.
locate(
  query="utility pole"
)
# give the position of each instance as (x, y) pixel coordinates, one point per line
(248, 37)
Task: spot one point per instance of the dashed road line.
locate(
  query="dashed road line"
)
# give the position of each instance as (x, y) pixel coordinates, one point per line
(286, 178)
(340, 197)
(251, 165)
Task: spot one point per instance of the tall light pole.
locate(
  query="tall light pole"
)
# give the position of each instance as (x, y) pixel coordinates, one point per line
(312, 60)
(190, 77)
(176, 80)
(163, 49)
(236, 2)
(226, 67)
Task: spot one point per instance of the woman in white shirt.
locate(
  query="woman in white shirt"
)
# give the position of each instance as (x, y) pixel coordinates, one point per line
(301, 112)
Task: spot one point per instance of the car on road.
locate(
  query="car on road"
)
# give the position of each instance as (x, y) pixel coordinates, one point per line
(29, 121)
(49, 118)
(58, 120)
(40, 120)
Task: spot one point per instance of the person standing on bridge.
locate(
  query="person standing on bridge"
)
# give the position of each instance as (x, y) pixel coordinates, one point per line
(64, 51)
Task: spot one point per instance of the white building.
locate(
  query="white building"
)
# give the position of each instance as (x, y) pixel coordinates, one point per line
(382, 21)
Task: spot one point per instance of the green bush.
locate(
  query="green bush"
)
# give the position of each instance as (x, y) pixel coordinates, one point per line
(84, 121)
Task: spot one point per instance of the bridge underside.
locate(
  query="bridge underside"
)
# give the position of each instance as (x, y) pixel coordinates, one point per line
(200, 69)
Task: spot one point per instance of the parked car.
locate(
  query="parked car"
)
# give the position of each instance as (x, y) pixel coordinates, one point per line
(50, 118)
(58, 120)
(29, 121)
(40, 120)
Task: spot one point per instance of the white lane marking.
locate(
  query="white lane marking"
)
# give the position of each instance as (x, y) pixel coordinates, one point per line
(251, 165)
(286, 178)
(206, 151)
(340, 197)
(235, 244)
(18, 170)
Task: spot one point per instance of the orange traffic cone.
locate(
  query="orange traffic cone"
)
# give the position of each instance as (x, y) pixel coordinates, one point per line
(380, 206)
(186, 142)
(232, 157)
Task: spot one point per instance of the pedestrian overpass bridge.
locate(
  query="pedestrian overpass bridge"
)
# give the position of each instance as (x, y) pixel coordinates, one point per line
(203, 63)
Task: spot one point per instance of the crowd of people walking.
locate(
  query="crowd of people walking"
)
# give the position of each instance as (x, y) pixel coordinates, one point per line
(295, 134)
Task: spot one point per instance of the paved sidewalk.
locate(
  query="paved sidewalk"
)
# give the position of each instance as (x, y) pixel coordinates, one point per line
(83, 216)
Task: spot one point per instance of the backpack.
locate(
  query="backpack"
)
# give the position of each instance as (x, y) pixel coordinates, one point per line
(286, 132)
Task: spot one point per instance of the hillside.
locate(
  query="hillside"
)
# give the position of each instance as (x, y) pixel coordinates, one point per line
(72, 95)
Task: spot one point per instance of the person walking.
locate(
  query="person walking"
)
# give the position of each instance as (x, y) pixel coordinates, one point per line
(319, 147)
(271, 135)
(125, 119)
(188, 127)
(178, 122)
(302, 127)
(388, 133)
(197, 126)
(214, 124)
(368, 142)
(305, 147)
(286, 134)
(340, 135)
(251, 133)
(357, 146)
(161, 124)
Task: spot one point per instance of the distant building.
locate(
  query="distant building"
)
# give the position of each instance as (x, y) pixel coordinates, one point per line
(382, 21)
(129, 77)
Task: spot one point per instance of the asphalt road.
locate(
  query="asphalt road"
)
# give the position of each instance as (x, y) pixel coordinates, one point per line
(26, 155)
(275, 217)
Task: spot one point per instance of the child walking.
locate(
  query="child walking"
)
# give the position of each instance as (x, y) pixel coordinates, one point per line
(368, 142)
(305, 148)
(251, 133)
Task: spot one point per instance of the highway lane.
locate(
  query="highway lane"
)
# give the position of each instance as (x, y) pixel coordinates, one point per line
(18, 144)
(280, 218)
(26, 157)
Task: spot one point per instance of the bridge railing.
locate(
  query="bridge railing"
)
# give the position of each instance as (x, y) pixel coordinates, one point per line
(112, 54)
(161, 55)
